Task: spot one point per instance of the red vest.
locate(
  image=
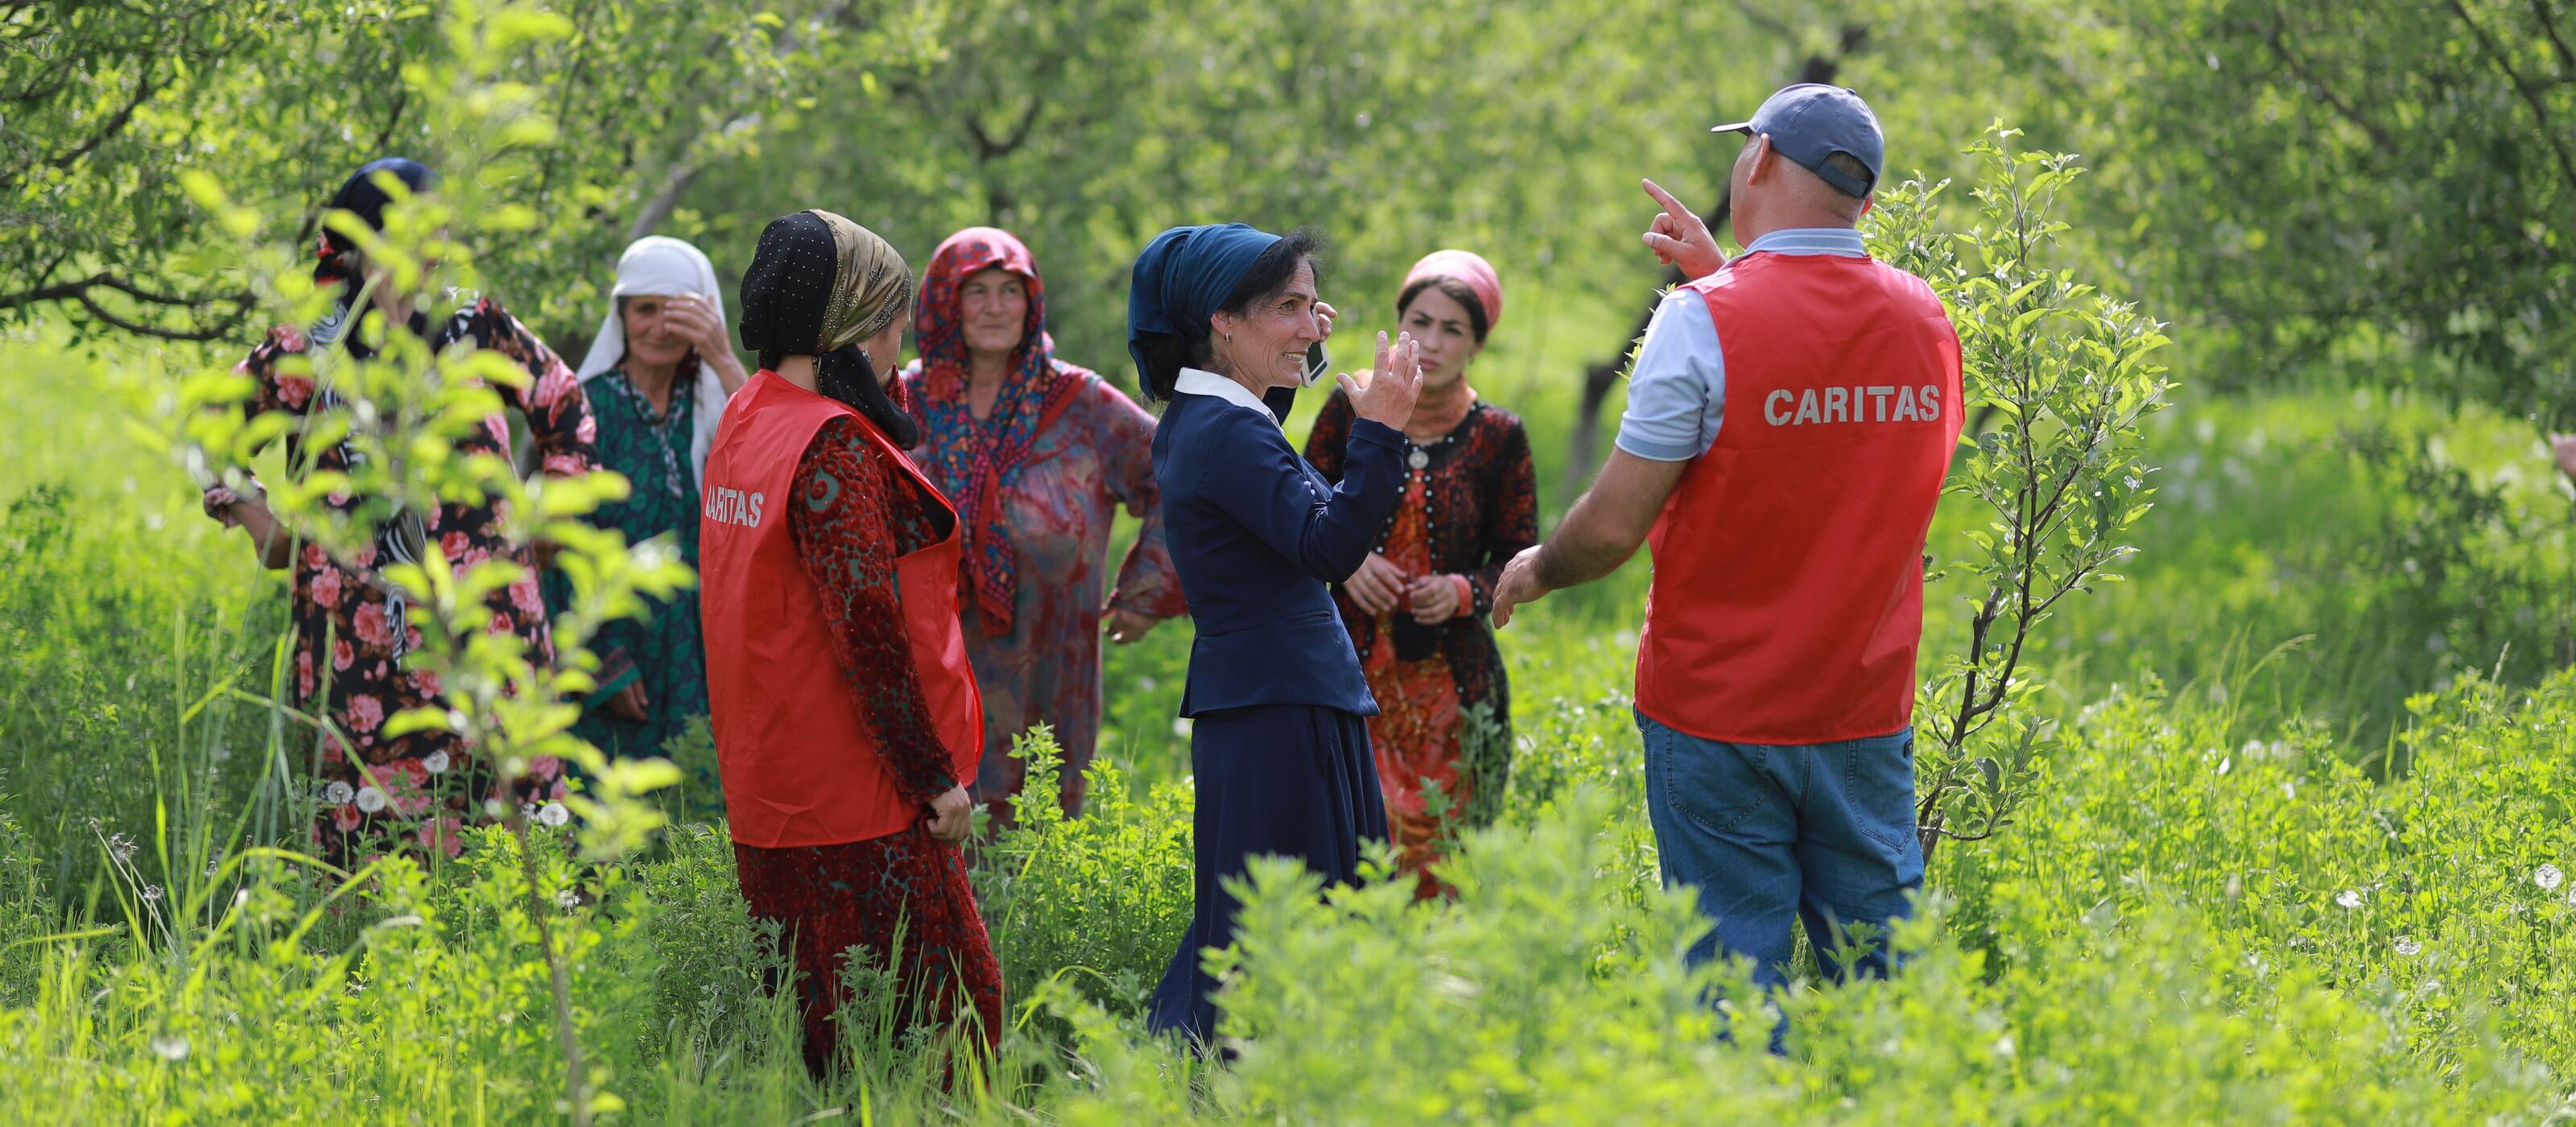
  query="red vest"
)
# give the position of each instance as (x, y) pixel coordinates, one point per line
(1788, 587)
(800, 765)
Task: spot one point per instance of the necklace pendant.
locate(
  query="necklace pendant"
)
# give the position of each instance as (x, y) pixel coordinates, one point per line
(1418, 459)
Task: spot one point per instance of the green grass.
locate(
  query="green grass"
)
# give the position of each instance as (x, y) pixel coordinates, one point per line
(2274, 717)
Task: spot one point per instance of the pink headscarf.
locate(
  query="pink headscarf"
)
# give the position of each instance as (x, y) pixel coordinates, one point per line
(1469, 269)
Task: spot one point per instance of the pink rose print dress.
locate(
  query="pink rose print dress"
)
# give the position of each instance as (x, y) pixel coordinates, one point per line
(379, 793)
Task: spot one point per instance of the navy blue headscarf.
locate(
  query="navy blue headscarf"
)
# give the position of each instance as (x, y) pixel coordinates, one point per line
(362, 196)
(1181, 279)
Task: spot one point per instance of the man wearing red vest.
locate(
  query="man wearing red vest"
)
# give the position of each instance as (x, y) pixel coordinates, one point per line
(1790, 420)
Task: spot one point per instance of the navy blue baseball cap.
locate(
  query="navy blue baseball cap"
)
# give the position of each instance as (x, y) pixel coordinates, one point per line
(1810, 122)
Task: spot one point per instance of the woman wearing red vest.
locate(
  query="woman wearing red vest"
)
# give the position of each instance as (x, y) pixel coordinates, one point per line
(847, 723)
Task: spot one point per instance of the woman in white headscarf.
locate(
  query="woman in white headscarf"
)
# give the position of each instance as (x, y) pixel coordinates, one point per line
(658, 374)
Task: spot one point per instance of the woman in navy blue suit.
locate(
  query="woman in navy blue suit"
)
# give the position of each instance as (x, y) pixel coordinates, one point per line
(1220, 320)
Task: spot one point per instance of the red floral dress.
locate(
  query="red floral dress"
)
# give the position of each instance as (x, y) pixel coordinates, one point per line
(1444, 705)
(379, 792)
(900, 902)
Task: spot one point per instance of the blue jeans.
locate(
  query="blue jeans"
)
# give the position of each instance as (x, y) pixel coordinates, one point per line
(1771, 834)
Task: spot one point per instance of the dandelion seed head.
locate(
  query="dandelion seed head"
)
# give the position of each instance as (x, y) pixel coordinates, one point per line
(436, 762)
(555, 814)
(370, 799)
(338, 792)
(2407, 946)
(151, 894)
(2548, 878)
(2349, 898)
(170, 1047)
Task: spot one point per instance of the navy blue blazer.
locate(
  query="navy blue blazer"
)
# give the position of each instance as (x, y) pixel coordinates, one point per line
(1256, 534)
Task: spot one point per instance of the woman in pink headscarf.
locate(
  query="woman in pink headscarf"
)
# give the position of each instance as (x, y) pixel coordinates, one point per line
(1038, 455)
(1416, 608)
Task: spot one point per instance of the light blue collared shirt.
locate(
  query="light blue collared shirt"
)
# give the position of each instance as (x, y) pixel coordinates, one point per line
(1677, 388)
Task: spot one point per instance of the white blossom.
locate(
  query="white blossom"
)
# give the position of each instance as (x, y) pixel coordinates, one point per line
(370, 799)
(2548, 878)
(170, 1047)
(436, 762)
(555, 814)
(568, 899)
(2349, 898)
(2407, 946)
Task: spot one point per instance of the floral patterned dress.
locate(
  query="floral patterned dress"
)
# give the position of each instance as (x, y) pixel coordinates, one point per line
(664, 651)
(901, 901)
(1470, 504)
(381, 792)
(1092, 453)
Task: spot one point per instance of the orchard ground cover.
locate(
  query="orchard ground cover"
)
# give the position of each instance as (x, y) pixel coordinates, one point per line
(2301, 854)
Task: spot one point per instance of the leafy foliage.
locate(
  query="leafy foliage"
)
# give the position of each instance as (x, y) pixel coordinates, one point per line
(2064, 374)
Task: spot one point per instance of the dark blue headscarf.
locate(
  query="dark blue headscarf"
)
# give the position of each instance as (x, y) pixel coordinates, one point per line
(1181, 279)
(362, 196)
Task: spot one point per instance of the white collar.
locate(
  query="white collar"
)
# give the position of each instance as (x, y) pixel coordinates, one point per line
(1196, 381)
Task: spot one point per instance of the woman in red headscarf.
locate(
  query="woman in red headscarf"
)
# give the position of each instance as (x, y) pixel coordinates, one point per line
(1416, 607)
(1038, 454)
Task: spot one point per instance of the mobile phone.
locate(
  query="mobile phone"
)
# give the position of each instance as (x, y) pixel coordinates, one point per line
(1318, 362)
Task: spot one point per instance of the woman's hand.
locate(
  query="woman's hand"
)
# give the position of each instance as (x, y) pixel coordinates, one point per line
(630, 704)
(2564, 446)
(1389, 394)
(1126, 627)
(1435, 599)
(952, 816)
(1324, 314)
(694, 319)
(1376, 586)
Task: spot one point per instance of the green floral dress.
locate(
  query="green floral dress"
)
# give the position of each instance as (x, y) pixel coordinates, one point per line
(665, 651)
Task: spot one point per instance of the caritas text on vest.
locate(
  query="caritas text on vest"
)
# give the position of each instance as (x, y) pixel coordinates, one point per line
(733, 506)
(1872, 403)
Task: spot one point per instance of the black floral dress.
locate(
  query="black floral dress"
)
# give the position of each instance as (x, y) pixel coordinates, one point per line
(1445, 707)
(663, 651)
(379, 792)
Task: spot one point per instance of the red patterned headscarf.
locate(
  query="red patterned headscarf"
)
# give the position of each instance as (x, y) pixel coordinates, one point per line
(973, 461)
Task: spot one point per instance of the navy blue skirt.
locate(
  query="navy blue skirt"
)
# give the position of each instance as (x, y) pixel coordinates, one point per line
(1288, 780)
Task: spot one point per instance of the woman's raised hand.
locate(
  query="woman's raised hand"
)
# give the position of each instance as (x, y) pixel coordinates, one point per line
(1389, 394)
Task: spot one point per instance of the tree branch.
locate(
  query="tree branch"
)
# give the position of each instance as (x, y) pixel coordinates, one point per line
(215, 331)
(2531, 97)
(144, 88)
(2549, 29)
(1765, 20)
(2281, 51)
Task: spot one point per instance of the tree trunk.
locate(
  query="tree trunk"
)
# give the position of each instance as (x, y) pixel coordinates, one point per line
(1584, 449)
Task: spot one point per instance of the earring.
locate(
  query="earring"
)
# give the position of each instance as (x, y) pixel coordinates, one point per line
(1229, 338)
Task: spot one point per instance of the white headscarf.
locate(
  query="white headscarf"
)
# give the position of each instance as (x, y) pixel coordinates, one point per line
(660, 266)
